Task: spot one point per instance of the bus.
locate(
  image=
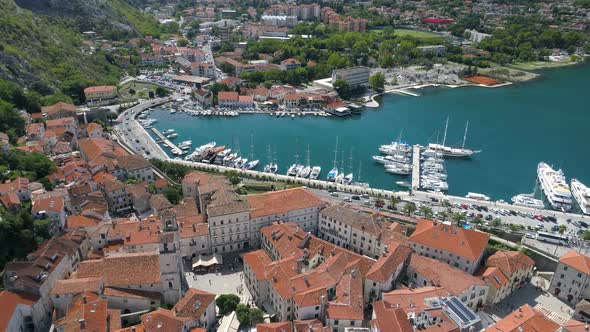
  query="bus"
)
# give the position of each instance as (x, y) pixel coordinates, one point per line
(552, 238)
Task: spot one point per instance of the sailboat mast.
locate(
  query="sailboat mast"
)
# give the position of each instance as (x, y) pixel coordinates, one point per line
(336, 153)
(445, 135)
(465, 134)
(360, 166)
(251, 146)
(350, 161)
(308, 162)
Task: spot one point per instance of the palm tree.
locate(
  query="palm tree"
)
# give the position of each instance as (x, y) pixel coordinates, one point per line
(394, 201)
(443, 215)
(562, 229)
(458, 218)
(478, 220)
(497, 222)
(426, 211)
(409, 208)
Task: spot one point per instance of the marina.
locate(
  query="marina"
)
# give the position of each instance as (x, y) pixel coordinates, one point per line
(487, 172)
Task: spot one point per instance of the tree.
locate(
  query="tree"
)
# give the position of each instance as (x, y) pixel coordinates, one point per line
(173, 194)
(562, 229)
(478, 220)
(443, 215)
(377, 81)
(182, 43)
(426, 211)
(497, 222)
(249, 315)
(394, 202)
(342, 88)
(586, 235)
(458, 218)
(162, 92)
(409, 208)
(227, 303)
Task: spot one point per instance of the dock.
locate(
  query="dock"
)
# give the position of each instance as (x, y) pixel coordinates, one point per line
(404, 92)
(164, 139)
(415, 167)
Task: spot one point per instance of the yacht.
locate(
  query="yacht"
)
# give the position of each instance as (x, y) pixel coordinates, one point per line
(339, 178)
(229, 158)
(395, 148)
(405, 184)
(168, 131)
(315, 172)
(185, 145)
(241, 162)
(172, 136)
(304, 172)
(348, 178)
(250, 165)
(453, 152)
(294, 169)
(392, 158)
(527, 200)
(554, 186)
(582, 195)
(434, 184)
(224, 153)
(479, 197)
(399, 169)
(432, 153)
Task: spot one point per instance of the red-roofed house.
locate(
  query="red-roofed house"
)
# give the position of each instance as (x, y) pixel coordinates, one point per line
(101, 95)
(383, 275)
(506, 271)
(20, 312)
(572, 277)
(456, 246)
(290, 64)
(53, 209)
(525, 319)
(227, 99)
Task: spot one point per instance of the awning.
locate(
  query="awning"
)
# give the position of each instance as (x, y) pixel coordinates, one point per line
(207, 260)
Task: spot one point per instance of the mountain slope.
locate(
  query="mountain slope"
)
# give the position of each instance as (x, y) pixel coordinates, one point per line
(40, 41)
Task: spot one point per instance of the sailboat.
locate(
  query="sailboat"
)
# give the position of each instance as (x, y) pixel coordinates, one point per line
(268, 166)
(348, 177)
(334, 171)
(296, 167)
(304, 172)
(340, 176)
(453, 152)
(252, 163)
(358, 177)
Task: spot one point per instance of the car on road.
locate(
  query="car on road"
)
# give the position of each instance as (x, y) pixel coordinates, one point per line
(347, 199)
(550, 218)
(583, 224)
(367, 203)
(365, 196)
(355, 197)
(540, 226)
(334, 194)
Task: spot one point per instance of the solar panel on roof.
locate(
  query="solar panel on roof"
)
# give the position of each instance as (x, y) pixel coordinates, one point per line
(469, 314)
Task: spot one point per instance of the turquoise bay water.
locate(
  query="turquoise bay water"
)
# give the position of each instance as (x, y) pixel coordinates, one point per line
(515, 127)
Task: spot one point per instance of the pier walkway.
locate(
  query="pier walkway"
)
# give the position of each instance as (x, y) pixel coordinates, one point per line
(164, 139)
(416, 168)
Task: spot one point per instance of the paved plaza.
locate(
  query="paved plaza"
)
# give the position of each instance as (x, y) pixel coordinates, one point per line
(228, 280)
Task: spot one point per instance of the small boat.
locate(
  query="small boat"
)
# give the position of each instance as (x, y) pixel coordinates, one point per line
(241, 162)
(582, 195)
(315, 172)
(168, 131)
(527, 200)
(479, 197)
(172, 136)
(250, 165)
(224, 153)
(405, 184)
(294, 169)
(304, 172)
(348, 178)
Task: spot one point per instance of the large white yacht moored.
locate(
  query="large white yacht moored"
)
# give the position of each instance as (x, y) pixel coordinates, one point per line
(582, 195)
(554, 186)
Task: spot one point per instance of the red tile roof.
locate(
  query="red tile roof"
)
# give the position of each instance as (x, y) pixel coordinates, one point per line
(443, 275)
(9, 301)
(283, 201)
(390, 319)
(525, 319)
(100, 88)
(193, 304)
(77, 286)
(510, 262)
(493, 276)
(387, 264)
(577, 261)
(275, 327)
(225, 96)
(124, 269)
(413, 298)
(463, 242)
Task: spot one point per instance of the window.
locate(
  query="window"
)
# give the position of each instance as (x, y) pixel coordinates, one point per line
(579, 275)
(561, 276)
(565, 268)
(336, 322)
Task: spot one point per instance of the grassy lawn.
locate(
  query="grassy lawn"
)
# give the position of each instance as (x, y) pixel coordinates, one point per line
(141, 90)
(534, 65)
(415, 33)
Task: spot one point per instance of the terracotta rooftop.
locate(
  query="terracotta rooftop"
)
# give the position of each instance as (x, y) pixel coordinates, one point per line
(79, 221)
(283, 201)
(227, 96)
(413, 298)
(463, 242)
(133, 162)
(510, 262)
(100, 88)
(577, 261)
(390, 319)
(9, 302)
(493, 276)
(525, 319)
(387, 264)
(163, 320)
(275, 327)
(60, 106)
(443, 275)
(257, 261)
(193, 304)
(77, 286)
(89, 312)
(123, 269)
